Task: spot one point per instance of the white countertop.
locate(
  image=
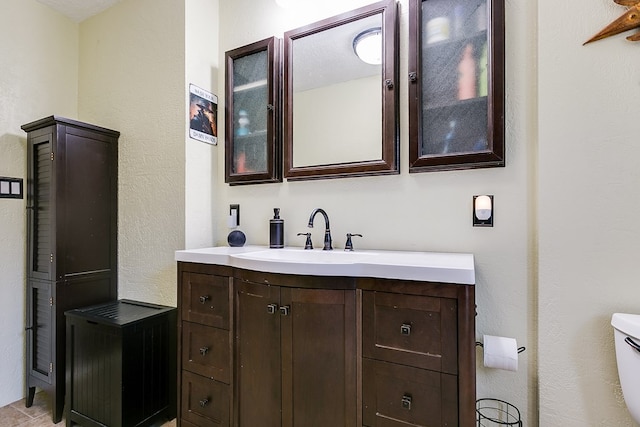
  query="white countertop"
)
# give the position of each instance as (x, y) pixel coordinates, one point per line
(403, 265)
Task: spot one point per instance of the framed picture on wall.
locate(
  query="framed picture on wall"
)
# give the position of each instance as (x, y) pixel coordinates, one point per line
(203, 115)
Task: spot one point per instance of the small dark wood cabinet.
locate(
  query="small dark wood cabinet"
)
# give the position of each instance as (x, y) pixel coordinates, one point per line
(456, 84)
(253, 144)
(285, 350)
(71, 239)
(120, 364)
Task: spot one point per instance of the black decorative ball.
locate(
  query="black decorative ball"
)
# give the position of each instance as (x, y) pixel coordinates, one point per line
(236, 238)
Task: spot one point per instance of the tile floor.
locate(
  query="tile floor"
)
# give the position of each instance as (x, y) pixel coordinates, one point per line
(39, 415)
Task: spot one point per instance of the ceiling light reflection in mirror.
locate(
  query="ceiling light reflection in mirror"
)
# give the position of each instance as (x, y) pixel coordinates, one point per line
(368, 46)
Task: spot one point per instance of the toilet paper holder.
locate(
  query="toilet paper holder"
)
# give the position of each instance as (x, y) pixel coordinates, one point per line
(520, 349)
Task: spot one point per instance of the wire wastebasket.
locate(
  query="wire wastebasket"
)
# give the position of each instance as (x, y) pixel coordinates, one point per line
(496, 412)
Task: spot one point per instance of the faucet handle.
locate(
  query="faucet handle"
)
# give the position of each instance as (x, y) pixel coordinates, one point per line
(307, 244)
(349, 245)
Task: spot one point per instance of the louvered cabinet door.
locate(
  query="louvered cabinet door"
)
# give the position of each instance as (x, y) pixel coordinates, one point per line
(39, 334)
(40, 208)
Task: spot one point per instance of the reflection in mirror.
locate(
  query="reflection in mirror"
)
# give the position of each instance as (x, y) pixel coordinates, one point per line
(340, 111)
(331, 82)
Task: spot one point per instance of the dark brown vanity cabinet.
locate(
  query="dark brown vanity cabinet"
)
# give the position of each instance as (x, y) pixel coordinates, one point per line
(71, 239)
(295, 356)
(264, 349)
(456, 84)
(253, 147)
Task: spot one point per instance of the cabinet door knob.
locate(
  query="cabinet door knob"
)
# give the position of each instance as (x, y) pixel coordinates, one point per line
(405, 329)
(204, 298)
(284, 310)
(272, 308)
(413, 77)
(204, 402)
(406, 402)
(204, 350)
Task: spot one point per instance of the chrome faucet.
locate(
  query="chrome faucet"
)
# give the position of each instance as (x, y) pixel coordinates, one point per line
(327, 231)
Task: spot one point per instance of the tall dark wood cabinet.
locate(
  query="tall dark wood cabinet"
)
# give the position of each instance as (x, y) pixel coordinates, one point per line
(71, 239)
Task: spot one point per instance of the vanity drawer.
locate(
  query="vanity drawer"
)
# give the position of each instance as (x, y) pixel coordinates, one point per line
(205, 351)
(205, 402)
(411, 330)
(397, 396)
(206, 299)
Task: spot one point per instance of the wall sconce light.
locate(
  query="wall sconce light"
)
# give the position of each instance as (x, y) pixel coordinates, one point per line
(11, 188)
(368, 46)
(483, 211)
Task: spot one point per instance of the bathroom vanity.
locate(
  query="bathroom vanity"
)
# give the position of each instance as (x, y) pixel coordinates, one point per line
(288, 337)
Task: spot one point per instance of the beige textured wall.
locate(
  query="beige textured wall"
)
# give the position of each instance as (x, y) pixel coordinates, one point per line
(201, 177)
(132, 79)
(38, 78)
(588, 209)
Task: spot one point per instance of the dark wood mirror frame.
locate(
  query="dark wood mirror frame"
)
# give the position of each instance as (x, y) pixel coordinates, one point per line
(389, 164)
(494, 154)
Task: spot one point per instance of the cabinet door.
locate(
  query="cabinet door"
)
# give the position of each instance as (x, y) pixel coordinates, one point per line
(258, 378)
(456, 84)
(40, 207)
(252, 137)
(86, 171)
(40, 338)
(318, 358)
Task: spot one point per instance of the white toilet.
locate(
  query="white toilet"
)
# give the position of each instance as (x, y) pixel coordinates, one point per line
(627, 339)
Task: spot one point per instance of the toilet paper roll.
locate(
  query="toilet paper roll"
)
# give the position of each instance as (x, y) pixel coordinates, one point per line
(500, 353)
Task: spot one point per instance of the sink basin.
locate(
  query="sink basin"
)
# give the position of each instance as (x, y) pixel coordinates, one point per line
(403, 265)
(316, 256)
(300, 261)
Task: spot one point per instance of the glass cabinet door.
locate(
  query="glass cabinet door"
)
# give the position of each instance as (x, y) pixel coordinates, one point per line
(252, 109)
(456, 84)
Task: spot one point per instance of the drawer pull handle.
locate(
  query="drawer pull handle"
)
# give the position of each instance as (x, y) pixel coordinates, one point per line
(405, 329)
(204, 299)
(204, 402)
(284, 310)
(204, 350)
(272, 308)
(406, 402)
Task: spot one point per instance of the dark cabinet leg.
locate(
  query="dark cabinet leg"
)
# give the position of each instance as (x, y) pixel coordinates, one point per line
(58, 406)
(31, 392)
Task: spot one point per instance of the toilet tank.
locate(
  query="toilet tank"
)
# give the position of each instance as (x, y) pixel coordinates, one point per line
(626, 333)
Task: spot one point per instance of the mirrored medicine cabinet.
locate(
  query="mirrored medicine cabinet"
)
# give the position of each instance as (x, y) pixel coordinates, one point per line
(340, 107)
(252, 113)
(312, 106)
(456, 84)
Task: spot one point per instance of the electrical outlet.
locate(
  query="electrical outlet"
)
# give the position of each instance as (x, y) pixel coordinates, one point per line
(234, 214)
